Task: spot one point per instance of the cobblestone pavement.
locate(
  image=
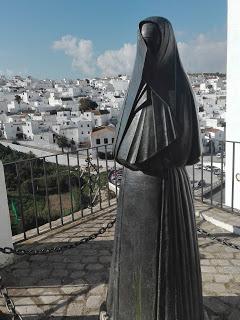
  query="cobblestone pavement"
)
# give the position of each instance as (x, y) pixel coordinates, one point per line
(220, 271)
(73, 284)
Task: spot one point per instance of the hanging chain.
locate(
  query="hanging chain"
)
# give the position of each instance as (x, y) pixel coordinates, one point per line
(8, 302)
(7, 250)
(32, 252)
(224, 242)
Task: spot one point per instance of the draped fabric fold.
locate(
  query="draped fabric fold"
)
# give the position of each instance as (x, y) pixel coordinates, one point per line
(155, 271)
(160, 107)
(155, 120)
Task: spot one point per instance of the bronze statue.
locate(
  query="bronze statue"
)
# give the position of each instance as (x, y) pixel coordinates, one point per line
(155, 272)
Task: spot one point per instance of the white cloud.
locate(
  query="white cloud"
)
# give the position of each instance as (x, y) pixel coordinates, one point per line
(203, 54)
(81, 52)
(113, 62)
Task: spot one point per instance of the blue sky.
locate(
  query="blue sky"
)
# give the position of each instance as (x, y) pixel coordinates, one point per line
(33, 35)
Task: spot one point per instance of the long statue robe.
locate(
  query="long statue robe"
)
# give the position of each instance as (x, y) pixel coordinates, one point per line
(155, 272)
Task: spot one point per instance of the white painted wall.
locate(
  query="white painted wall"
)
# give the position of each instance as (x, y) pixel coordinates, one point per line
(24, 97)
(211, 123)
(5, 224)
(102, 137)
(53, 101)
(11, 129)
(119, 84)
(233, 101)
(32, 127)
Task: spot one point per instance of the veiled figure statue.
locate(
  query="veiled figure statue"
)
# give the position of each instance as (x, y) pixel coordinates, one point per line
(155, 271)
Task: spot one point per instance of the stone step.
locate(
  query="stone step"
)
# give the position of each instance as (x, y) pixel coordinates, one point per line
(218, 231)
(223, 219)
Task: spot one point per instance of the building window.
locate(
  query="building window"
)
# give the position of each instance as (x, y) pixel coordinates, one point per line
(88, 132)
(82, 132)
(112, 140)
(88, 125)
(98, 141)
(105, 140)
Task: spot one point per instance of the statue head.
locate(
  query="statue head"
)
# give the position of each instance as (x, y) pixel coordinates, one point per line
(151, 35)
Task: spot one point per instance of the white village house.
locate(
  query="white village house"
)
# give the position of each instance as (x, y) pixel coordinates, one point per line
(102, 136)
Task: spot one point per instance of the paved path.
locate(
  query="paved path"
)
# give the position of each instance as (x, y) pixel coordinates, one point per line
(72, 285)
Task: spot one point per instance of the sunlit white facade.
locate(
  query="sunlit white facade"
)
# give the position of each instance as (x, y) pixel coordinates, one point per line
(233, 105)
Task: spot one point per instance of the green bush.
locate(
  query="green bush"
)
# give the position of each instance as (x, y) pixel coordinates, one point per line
(52, 184)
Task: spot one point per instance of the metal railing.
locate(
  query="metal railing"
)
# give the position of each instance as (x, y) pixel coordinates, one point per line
(208, 177)
(84, 178)
(51, 191)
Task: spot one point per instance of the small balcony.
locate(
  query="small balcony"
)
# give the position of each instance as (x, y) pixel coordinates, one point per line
(62, 210)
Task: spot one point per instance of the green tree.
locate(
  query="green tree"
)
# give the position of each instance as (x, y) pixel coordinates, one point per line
(62, 142)
(86, 104)
(18, 98)
(72, 145)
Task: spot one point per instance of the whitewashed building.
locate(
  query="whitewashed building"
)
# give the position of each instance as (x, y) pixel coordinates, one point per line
(102, 136)
(33, 127)
(79, 132)
(101, 117)
(54, 100)
(14, 106)
(63, 117)
(233, 110)
(12, 130)
(42, 106)
(120, 84)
